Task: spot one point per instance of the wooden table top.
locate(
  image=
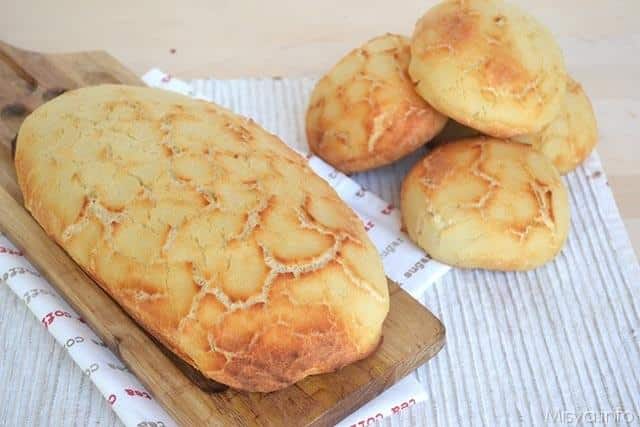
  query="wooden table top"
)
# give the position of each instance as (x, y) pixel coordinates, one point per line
(226, 39)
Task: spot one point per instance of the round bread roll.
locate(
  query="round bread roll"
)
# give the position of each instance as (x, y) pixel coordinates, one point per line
(569, 138)
(209, 231)
(365, 112)
(488, 65)
(486, 203)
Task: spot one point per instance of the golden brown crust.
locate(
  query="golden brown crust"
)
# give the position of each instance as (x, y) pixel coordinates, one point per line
(216, 237)
(365, 112)
(486, 203)
(489, 66)
(569, 139)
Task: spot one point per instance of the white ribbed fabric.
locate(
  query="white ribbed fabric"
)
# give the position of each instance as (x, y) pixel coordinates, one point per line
(40, 385)
(555, 344)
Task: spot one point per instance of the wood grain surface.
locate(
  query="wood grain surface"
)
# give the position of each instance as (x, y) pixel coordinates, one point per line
(231, 39)
(411, 334)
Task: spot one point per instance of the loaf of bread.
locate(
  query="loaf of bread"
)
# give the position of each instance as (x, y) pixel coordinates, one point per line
(210, 232)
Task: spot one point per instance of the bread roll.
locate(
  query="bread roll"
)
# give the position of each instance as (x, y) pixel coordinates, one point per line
(365, 112)
(217, 238)
(486, 203)
(488, 65)
(569, 139)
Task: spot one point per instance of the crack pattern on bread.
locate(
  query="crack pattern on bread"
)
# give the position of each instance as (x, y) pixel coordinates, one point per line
(209, 231)
(486, 203)
(488, 65)
(364, 113)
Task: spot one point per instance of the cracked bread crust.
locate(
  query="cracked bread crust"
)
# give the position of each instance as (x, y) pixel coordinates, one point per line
(488, 65)
(216, 237)
(365, 113)
(571, 136)
(486, 203)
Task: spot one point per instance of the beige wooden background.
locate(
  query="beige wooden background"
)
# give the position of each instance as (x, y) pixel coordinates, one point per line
(235, 38)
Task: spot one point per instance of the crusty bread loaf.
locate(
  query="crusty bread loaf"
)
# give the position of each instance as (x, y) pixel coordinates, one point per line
(488, 65)
(209, 231)
(365, 113)
(569, 139)
(486, 203)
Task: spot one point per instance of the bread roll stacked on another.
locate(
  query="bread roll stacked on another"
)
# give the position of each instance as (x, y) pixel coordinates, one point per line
(489, 66)
(490, 194)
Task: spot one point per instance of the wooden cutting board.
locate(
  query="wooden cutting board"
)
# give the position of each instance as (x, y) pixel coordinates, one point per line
(411, 334)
